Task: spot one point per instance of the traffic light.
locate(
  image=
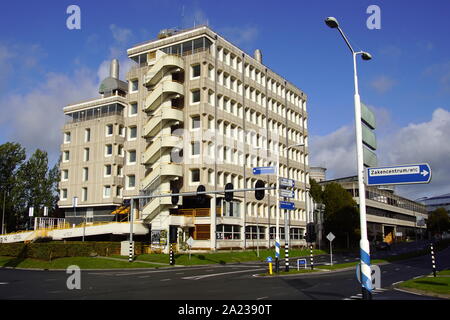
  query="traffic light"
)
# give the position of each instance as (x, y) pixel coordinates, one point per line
(259, 194)
(228, 194)
(310, 233)
(201, 198)
(175, 199)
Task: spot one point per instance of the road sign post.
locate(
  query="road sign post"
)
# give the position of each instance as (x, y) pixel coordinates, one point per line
(330, 238)
(190, 242)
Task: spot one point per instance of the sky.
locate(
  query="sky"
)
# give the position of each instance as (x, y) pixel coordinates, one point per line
(45, 66)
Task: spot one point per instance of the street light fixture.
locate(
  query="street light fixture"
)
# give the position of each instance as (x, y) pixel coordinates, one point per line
(366, 278)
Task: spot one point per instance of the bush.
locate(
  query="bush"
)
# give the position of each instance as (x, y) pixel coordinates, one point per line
(59, 249)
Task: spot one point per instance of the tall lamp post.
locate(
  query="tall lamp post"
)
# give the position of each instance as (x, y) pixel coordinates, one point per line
(366, 279)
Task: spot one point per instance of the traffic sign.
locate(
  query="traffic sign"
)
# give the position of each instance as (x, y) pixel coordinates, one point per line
(405, 174)
(264, 170)
(269, 259)
(286, 193)
(285, 182)
(30, 211)
(287, 205)
(330, 237)
(190, 242)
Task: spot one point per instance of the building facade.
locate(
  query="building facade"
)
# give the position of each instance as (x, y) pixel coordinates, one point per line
(389, 216)
(194, 110)
(433, 203)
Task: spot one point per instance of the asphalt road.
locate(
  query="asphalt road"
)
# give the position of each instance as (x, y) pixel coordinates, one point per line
(214, 282)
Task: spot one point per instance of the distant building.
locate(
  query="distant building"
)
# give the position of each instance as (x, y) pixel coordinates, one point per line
(433, 203)
(389, 216)
(318, 173)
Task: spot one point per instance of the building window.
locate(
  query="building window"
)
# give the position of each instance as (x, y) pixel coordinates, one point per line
(119, 192)
(66, 137)
(252, 232)
(131, 181)
(195, 148)
(132, 132)
(66, 156)
(195, 71)
(195, 175)
(228, 232)
(196, 122)
(120, 150)
(106, 191)
(195, 96)
(108, 150)
(63, 194)
(133, 108)
(121, 131)
(119, 171)
(109, 130)
(108, 170)
(65, 175)
(87, 135)
(84, 194)
(85, 174)
(132, 156)
(134, 85)
(86, 154)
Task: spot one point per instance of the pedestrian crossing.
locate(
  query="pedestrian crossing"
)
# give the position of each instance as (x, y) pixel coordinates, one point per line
(359, 295)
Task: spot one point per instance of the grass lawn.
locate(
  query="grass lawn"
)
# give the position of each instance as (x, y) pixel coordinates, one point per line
(439, 285)
(221, 257)
(63, 263)
(444, 273)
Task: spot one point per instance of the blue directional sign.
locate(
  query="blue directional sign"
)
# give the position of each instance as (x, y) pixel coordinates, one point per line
(404, 174)
(287, 205)
(285, 182)
(286, 193)
(269, 259)
(264, 170)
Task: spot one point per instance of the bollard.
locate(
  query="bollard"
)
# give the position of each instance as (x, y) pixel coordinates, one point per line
(433, 261)
(171, 256)
(311, 255)
(270, 268)
(286, 256)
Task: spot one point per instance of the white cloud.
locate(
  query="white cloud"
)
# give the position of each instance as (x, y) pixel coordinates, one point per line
(241, 36)
(35, 119)
(382, 84)
(416, 143)
(121, 35)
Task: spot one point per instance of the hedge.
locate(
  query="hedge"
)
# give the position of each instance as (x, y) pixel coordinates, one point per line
(57, 249)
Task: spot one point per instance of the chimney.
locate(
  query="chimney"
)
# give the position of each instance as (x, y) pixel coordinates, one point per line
(114, 69)
(258, 55)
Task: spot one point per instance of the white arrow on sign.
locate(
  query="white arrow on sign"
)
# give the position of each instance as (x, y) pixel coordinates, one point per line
(424, 173)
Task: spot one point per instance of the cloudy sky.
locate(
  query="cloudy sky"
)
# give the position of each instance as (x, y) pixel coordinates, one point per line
(44, 66)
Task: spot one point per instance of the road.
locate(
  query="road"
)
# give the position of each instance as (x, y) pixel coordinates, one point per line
(214, 282)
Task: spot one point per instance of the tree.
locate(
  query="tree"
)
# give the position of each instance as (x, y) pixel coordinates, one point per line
(316, 191)
(438, 221)
(12, 156)
(341, 213)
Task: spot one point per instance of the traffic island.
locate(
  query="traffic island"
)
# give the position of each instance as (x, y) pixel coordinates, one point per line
(438, 286)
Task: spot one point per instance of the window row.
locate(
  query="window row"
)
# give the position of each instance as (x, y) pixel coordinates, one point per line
(131, 154)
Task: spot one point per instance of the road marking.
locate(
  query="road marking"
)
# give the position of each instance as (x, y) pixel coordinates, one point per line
(396, 283)
(142, 277)
(4, 282)
(262, 298)
(140, 272)
(166, 279)
(404, 291)
(179, 273)
(218, 274)
(397, 269)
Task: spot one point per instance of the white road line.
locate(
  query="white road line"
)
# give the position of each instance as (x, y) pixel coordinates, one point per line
(218, 274)
(262, 298)
(142, 277)
(143, 272)
(179, 273)
(396, 283)
(4, 282)
(166, 279)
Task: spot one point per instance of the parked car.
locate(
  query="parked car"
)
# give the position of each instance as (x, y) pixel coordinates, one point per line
(383, 246)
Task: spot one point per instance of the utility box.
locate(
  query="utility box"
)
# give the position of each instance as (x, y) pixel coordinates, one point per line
(125, 248)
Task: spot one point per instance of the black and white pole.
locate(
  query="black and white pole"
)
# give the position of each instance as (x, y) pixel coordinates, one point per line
(311, 257)
(131, 248)
(433, 261)
(171, 256)
(286, 257)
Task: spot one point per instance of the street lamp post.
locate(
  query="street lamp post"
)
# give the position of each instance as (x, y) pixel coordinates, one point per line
(366, 279)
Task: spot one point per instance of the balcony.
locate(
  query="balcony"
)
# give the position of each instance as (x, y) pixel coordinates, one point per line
(162, 92)
(151, 128)
(153, 151)
(161, 67)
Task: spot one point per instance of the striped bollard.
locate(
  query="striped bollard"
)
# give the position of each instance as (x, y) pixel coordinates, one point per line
(286, 256)
(277, 256)
(130, 257)
(366, 271)
(433, 261)
(311, 257)
(171, 256)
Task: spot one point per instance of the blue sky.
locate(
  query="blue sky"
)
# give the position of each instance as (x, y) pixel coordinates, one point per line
(44, 66)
